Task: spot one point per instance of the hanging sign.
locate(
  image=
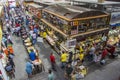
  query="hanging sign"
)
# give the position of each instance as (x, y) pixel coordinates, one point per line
(115, 17)
(71, 43)
(75, 23)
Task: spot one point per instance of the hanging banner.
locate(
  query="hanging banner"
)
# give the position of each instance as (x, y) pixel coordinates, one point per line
(71, 43)
(115, 17)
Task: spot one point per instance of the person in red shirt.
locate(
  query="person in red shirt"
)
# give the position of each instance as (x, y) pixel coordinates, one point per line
(17, 25)
(52, 60)
(111, 50)
(104, 53)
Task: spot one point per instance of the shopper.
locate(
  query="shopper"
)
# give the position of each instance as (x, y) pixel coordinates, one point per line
(81, 57)
(35, 30)
(4, 39)
(104, 53)
(52, 60)
(11, 62)
(70, 57)
(29, 69)
(11, 51)
(5, 50)
(32, 55)
(9, 39)
(91, 53)
(111, 50)
(8, 26)
(64, 59)
(69, 71)
(34, 38)
(50, 75)
(10, 70)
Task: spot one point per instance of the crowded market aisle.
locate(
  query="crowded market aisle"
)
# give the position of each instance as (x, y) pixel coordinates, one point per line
(20, 55)
(45, 51)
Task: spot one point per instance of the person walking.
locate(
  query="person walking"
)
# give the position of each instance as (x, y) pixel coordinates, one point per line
(70, 57)
(29, 69)
(50, 75)
(69, 71)
(9, 39)
(52, 60)
(34, 38)
(10, 70)
(11, 61)
(64, 59)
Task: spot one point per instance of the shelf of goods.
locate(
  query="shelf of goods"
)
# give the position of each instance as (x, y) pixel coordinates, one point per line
(50, 40)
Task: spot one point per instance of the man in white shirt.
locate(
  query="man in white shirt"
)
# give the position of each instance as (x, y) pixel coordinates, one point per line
(9, 38)
(34, 38)
(31, 32)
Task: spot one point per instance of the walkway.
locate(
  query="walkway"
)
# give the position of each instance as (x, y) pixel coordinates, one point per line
(108, 72)
(20, 55)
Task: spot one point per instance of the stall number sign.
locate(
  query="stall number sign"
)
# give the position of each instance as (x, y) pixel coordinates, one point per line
(75, 23)
(71, 43)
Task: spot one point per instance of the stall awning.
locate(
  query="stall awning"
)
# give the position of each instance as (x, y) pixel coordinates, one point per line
(53, 27)
(35, 5)
(68, 12)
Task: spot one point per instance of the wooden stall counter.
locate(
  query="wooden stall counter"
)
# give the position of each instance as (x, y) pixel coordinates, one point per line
(27, 40)
(38, 66)
(50, 40)
(37, 62)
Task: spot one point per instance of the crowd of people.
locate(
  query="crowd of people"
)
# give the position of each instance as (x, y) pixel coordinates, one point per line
(71, 63)
(7, 47)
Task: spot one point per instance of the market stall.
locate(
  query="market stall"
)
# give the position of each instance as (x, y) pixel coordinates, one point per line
(29, 46)
(114, 32)
(69, 25)
(35, 10)
(3, 56)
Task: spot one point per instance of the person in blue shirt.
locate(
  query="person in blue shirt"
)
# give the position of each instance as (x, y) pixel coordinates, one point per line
(32, 55)
(29, 69)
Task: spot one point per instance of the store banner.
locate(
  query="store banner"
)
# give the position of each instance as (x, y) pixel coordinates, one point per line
(115, 17)
(71, 43)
